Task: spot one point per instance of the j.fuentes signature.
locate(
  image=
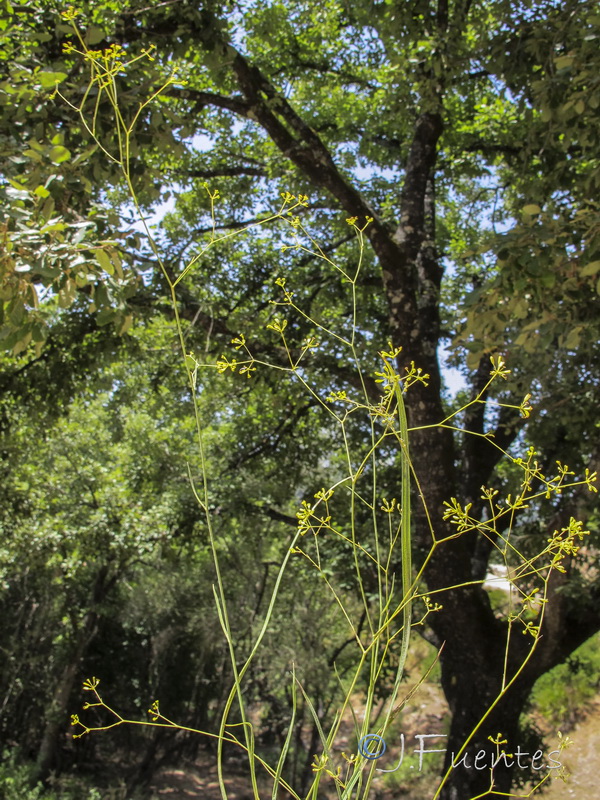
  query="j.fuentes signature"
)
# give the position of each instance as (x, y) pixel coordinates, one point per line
(373, 747)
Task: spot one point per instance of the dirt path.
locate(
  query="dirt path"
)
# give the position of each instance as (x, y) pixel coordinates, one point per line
(581, 760)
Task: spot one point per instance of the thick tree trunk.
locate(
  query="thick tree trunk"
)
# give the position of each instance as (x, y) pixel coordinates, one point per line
(57, 713)
(473, 676)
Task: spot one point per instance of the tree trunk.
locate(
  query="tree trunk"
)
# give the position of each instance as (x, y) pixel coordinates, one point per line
(58, 710)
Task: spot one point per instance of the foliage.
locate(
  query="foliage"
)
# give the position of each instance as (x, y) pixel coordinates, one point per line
(140, 101)
(548, 263)
(55, 242)
(388, 419)
(16, 784)
(561, 695)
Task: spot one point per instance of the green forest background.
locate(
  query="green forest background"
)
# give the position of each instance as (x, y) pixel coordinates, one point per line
(418, 175)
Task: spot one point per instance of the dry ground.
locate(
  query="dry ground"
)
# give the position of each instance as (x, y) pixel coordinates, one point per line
(426, 713)
(581, 760)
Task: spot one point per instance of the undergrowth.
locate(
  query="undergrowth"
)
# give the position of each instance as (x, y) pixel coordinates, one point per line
(17, 783)
(561, 696)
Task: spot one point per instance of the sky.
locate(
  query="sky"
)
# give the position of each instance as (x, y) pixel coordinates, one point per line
(453, 378)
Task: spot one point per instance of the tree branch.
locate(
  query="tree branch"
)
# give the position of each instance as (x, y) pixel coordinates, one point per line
(204, 99)
(480, 146)
(222, 172)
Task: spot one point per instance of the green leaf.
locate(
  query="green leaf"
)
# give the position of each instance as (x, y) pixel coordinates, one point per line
(563, 62)
(50, 79)
(39, 332)
(58, 154)
(590, 269)
(531, 209)
(53, 225)
(103, 259)
(33, 155)
(116, 260)
(124, 324)
(67, 294)
(94, 34)
(105, 316)
(22, 344)
(16, 312)
(573, 338)
(89, 151)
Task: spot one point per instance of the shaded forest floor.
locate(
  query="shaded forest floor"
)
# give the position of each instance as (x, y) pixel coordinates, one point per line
(427, 714)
